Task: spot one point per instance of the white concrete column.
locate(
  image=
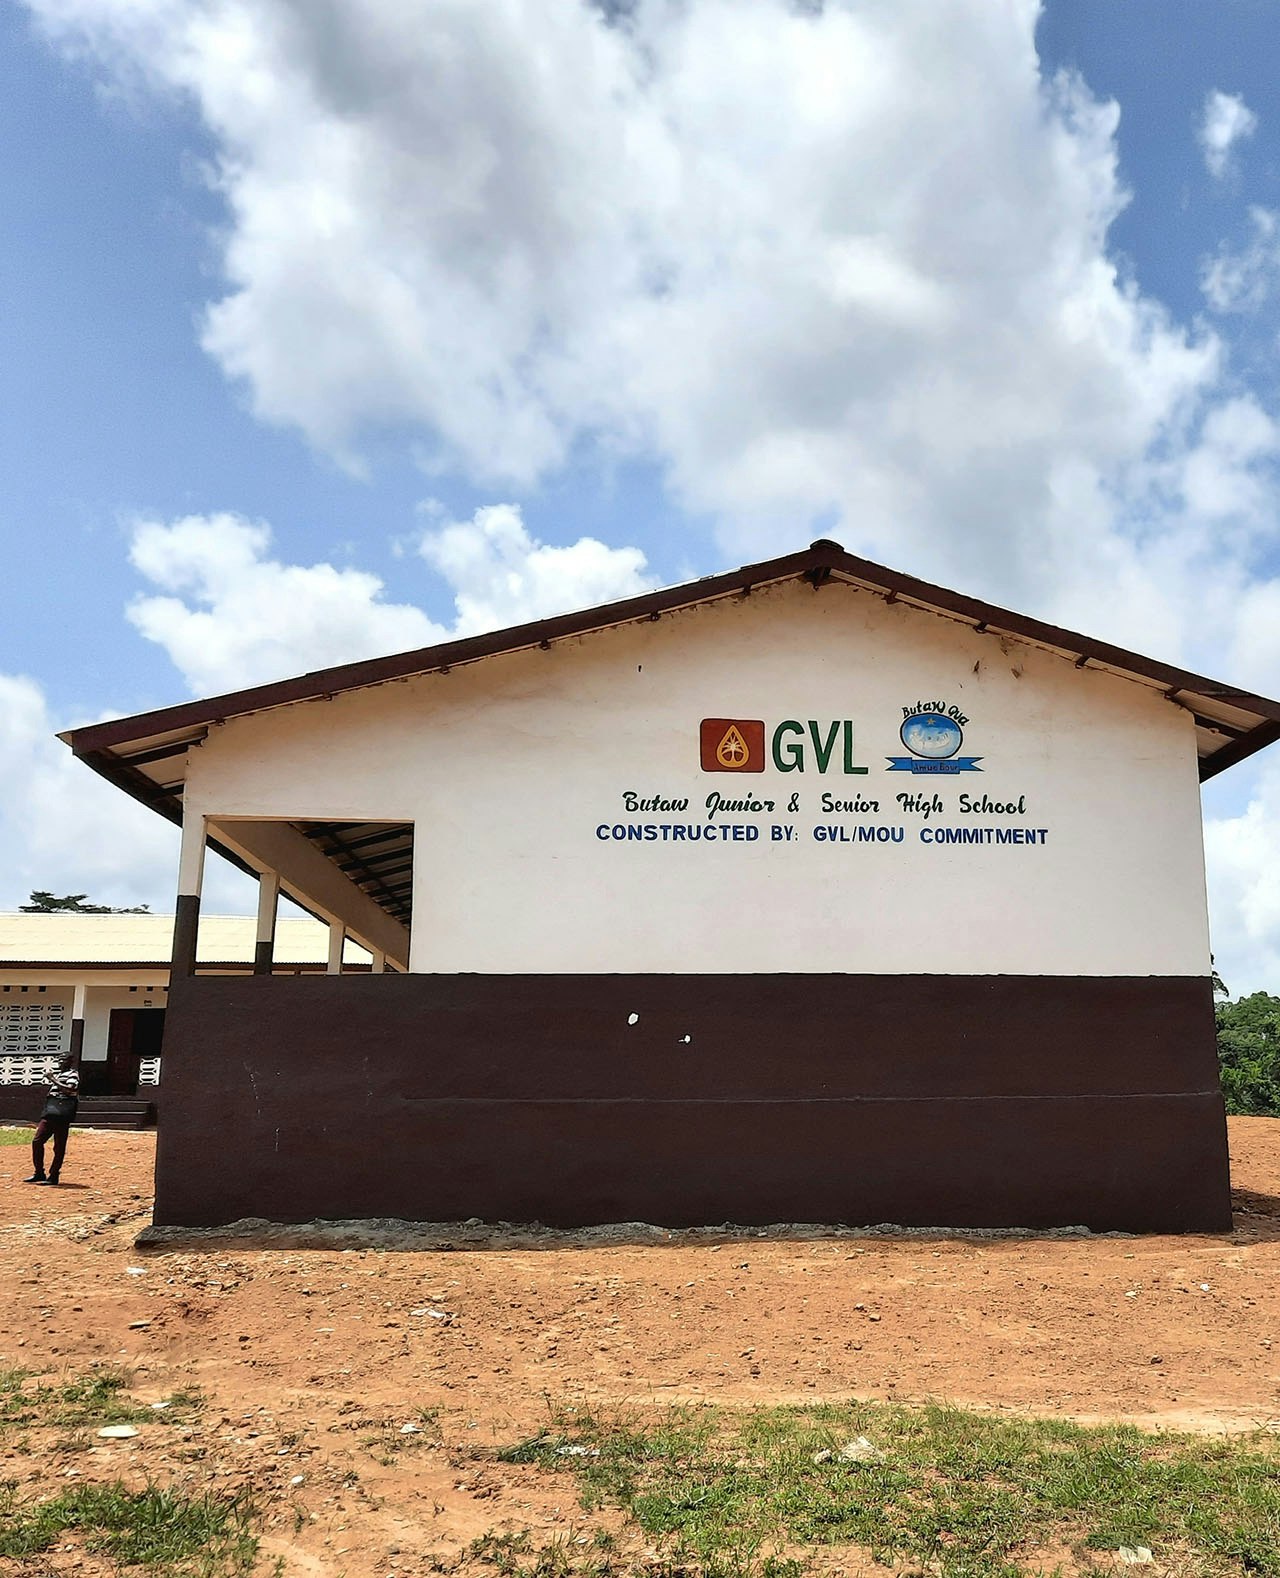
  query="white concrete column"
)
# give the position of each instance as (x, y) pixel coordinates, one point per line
(265, 941)
(186, 920)
(379, 965)
(337, 940)
(79, 998)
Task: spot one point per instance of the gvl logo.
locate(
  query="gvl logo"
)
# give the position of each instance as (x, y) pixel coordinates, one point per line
(737, 745)
(732, 745)
(933, 733)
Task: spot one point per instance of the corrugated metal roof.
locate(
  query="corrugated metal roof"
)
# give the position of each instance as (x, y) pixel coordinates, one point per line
(148, 940)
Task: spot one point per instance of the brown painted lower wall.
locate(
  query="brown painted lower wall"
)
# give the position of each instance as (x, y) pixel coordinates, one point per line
(21, 1103)
(922, 1100)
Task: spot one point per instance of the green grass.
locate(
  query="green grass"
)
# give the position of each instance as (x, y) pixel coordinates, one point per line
(515, 1555)
(95, 1399)
(170, 1534)
(16, 1136)
(958, 1494)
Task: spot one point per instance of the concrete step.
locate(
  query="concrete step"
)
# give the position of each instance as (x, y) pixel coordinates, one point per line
(114, 1112)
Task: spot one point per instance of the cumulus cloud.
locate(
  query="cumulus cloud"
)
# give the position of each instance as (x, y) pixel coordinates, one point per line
(841, 264)
(1227, 120)
(67, 830)
(61, 827)
(501, 576)
(64, 829)
(229, 614)
(1255, 645)
(1239, 279)
(1244, 897)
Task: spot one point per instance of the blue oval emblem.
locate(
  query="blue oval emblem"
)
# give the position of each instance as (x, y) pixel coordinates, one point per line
(932, 736)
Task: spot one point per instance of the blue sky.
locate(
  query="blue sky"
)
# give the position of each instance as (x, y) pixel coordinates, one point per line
(1159, 59)
(866, 271)
(111, 409)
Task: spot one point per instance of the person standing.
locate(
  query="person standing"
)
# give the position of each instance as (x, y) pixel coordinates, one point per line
(60, 1106)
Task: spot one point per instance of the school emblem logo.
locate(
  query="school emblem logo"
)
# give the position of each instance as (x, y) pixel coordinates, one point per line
(732, 745)
(933, 733)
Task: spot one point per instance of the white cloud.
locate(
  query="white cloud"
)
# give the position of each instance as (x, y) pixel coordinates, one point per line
(232, 615)
(61, 826)
(1227, 121)
(1255, 646)
(842, 263)
(1244, 896)
(501, 576)
(64, 829)
(1240, 279)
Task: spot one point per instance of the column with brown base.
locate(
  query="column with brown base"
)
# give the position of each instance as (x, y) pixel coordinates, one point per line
(76, 1048)
(265, 943)
(337, 942)
(186, 920)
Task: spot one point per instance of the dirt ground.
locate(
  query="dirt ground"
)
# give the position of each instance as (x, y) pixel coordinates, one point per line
(312, 1360)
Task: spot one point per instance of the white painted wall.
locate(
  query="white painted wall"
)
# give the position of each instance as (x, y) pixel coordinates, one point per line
(508, 766)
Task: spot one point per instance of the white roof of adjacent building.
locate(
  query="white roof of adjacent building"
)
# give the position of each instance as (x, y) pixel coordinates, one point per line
(148, 939)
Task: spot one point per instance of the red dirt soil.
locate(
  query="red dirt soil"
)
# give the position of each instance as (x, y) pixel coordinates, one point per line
(311, 1360)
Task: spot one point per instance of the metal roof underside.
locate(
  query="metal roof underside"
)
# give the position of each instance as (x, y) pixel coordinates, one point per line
(146, 755)
(376, 856)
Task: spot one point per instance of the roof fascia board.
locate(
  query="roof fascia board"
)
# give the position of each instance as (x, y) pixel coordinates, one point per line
(1002, 621)
(1237, 750)
(323, 683)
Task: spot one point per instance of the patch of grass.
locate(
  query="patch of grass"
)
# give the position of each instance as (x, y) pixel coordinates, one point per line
(16, 1136)
(174, 1535)
(962, 1495)
(92, 1399)
(185, 1403)
(388, 1442)
(515, 1555)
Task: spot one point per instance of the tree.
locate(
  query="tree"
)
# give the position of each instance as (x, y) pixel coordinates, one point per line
(44, 903)
(1249, 1054)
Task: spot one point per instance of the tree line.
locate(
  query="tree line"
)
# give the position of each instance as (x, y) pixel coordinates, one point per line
(1249, 1053)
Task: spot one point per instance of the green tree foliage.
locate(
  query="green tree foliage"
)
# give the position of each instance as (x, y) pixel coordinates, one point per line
(1249, 1053)
(43, 903)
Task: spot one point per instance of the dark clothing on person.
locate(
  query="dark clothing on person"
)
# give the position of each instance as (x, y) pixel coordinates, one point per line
(60, 1107)
(55, 1129)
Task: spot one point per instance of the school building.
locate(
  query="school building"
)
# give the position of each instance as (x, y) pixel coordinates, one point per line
(806, 892)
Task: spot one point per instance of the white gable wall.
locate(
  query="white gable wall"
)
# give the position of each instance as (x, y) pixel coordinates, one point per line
(508, 767)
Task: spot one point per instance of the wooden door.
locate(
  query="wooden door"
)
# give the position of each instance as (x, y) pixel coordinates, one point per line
(122, 1060)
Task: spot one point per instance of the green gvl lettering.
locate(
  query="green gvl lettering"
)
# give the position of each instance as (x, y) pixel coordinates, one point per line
(788, 755)
(822, 750)
(848, 750)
